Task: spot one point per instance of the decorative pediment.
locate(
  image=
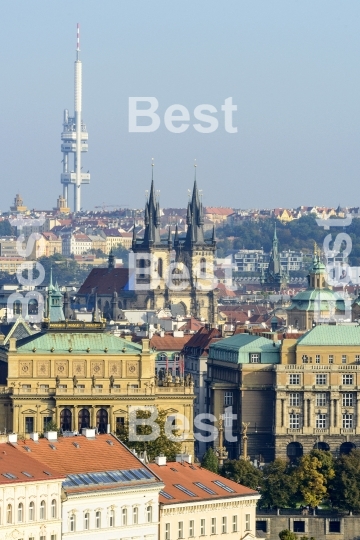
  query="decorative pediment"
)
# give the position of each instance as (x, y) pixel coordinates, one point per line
(28, 411)
(121, 411)
(171, 411)
(47, 412)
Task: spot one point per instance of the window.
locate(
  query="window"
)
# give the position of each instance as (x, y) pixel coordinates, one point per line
(347, 400)
(46, 421)
(320, 421)
(42, 510)
(135, 515)
(72, 523)
(294, 378)
(213, 525)
(42, 537)
(9, 514)
(124, 516)
(234, 524)
(299, 526)
(357, 358)
(261, 525)
(98, 519)
(321, 378)
(343, 359)
(347, 422)
(331, 358)
(247, 522)
(111, 518)
(149, 514)
(181, 529)
(224, 525)
(317, 359)
(294, 399)
(86, 521)
(29, 424)
(20, 516)
(32, 511)
(202, 527)
(228, 398)
(321, 399)
(53, 508)
(167, 531)
(52, 537)
(347, 379)
(191, 528)
(334, 526)
(294, 421)
(254, 358)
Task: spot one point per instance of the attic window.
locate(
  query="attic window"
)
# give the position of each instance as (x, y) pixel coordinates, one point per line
(52, 446)
(110, 442)
(27, 448)
(9, 475)
(77, 445)
(48, 473)
(27, 474)
(172, 468)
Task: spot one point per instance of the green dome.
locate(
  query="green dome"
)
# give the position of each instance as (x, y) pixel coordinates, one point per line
(313, 299)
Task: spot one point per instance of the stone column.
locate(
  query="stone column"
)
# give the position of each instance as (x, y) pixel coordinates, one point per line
(93, 416)
(337, 413)
(311, 413)
(358, 410)
(331, 413)
(57, 416)
(305, 412)
(278, 413)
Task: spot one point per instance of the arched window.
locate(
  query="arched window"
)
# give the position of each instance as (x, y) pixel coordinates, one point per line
(65, 420)
(17, 307)
(9, 514)
(32, 511)
(203, 266)
(135, 515)
(42, 510)
(33, 308)
(53, 509)
(20, 516)
(86, 521)
(98, 519)
(149, 514)
(84, 419)
(124, 516)
(111, 518)
(102, 420)
(72, 523)
(160, 267)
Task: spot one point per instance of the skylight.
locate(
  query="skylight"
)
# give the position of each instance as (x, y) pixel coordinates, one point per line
(27, 474)
(205, 488)
(185, 490)
(107, 477)
(9, 475)
(166, 495)
(224, 486)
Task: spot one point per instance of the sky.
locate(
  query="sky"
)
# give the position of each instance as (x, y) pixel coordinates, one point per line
(291, 67)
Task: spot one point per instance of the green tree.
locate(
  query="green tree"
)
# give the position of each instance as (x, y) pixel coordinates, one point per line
(210, 461)
(278, 485)
(243, 472)
(311, 482)
(287, 535)
(161, 445)
(327, 464)
(344, 489)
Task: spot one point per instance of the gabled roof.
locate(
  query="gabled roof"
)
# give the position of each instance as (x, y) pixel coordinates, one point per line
(169, 342)
(185, 475)
(203, 338)
(16, 463)
(105, 281)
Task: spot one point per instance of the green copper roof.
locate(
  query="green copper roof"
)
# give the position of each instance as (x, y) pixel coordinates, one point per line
(246, 342)
(331, 335)
(312, 299)
(239, 348)
(78, 342)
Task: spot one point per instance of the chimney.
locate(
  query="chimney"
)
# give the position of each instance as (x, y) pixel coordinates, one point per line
(34, 437)
(12, 438)
(160, 460)
(12, 344)
(50, 435)
(89, 433)
(186, 458)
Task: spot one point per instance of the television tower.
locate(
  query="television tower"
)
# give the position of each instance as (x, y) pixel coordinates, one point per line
(74, 138)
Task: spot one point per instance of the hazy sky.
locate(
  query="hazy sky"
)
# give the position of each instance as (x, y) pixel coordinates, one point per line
(291, 67)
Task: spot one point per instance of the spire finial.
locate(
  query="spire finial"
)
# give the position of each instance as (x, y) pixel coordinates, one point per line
(51, 278)
(195, 165)
(78, 41)
(152, 169)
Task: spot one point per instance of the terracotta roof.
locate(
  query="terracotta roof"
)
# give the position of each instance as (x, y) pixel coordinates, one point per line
(105, 281)
(11, 461)
(192, 325)
(218, 210)
(224, 291)
(169, 342)
(185, 475)
(91, 455)
(235, 316)
(203, 338)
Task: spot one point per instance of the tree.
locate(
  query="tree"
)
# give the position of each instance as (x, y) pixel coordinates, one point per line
(278, 485)
(243, 472)
(161, 445)
(287, 535)
(210, 461)
(311, 482)
(344, 489)
(327, 464)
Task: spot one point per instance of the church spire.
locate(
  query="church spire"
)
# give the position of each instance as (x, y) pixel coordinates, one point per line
(195, 218)
(152, 216)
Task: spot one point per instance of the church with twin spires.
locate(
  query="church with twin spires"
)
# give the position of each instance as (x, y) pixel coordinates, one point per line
(173, 272)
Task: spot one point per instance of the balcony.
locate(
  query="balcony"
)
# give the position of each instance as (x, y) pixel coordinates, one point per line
(294, 430)
(323, 431)
(347, 431)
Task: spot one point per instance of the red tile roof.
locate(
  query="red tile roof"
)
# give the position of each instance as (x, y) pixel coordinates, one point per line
(92, 455)
(186, 475)
(169, 342)
(105, 281)
(203, 338)
(192, 325)
(16, 463)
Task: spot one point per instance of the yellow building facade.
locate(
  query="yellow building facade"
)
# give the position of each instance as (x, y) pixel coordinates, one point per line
(75, 375)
